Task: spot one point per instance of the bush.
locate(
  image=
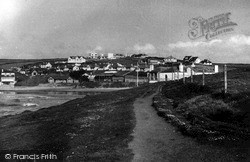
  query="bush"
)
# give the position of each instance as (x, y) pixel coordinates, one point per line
(33, 81)
(91, 84)
(206, 106)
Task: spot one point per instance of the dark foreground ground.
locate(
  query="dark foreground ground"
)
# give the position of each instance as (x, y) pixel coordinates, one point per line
(94, 128)
(209, 114)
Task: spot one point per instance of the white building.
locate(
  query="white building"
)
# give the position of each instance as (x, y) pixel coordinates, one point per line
(170, 59)
(76, 59)
(111, 56)
(46, 65)
(7, 78)
(93, 55)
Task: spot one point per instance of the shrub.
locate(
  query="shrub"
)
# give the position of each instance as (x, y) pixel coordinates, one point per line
(206, 106)
(91, 84)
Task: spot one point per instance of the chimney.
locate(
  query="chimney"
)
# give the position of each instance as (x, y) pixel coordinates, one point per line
(151, 67)
(216, 68)
(181, 67)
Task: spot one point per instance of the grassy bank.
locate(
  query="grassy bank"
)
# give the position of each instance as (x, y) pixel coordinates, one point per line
(95, 128)
(206, 112)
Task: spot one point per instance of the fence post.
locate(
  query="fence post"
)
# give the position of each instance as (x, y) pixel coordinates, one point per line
(183, 76)
(203, 78)
(192, 80)
(225, 78)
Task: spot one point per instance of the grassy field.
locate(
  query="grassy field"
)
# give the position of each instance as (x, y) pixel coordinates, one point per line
(214, 114)
(8, 63)
(94, 128)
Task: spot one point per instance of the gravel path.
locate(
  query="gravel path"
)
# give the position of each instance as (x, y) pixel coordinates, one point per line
(158, 141)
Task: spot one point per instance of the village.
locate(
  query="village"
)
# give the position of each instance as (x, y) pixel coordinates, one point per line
(110, 68)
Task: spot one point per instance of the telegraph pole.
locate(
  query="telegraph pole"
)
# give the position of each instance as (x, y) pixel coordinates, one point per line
(225, 78)
(192, 80)
(137, 69)
(203, 77)
(183, 76)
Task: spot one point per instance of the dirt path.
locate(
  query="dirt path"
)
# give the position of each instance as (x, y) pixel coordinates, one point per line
(158, 141)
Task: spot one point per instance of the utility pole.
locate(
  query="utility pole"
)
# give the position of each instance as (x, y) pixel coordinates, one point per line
(203, 77)
(225, 78)
(137, 69)
(183, 76)
(192, 80)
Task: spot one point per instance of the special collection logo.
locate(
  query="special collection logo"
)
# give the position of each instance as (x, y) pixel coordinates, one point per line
(210, 28)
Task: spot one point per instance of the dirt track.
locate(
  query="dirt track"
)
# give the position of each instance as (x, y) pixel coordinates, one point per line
(156, 140)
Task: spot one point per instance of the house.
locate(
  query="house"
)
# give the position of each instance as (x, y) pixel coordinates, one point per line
(7, 78)
(206, 62)
(170, 59)
(76, 68)
(195, 60)
(168, 73)
(103, 76)
(110, 56)
(93, 55)
(187, 58)
(34, 73)
(163, 74)
(120, 76)
(191, 59)
(155, 60)
(118, 55)
(133, 76)
(199, 69)
(61, 79)
(144, 67)
(139, 55)
(76, 59)
(46, 65)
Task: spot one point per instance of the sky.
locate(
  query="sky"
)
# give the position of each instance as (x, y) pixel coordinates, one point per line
(33, 29)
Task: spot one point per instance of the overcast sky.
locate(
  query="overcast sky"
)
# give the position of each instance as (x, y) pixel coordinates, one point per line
(60, 28)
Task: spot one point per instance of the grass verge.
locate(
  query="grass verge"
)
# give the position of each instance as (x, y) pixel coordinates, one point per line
(94, 128)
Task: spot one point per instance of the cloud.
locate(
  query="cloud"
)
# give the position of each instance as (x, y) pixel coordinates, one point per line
(98, 48)
(234, 49)
(181, 44)
(239, 40)
(235, 40)
(147, 48)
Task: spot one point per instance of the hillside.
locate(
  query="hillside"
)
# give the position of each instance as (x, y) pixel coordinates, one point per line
(206, 111)
(94, 128)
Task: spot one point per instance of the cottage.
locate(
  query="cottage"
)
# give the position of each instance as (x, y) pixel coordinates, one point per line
(7, 78)
(120, 76)
(76, 59)
(191, 59)
(46, 65)
(139, 55)
(155, 60)
(93, 55)
(206, 62)
(34, 73)
(76, 68)
(134, 76)
(164, 73)
(170, 59)
(110, 56)
(104, 76)
(118, 55)
(61, 79)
